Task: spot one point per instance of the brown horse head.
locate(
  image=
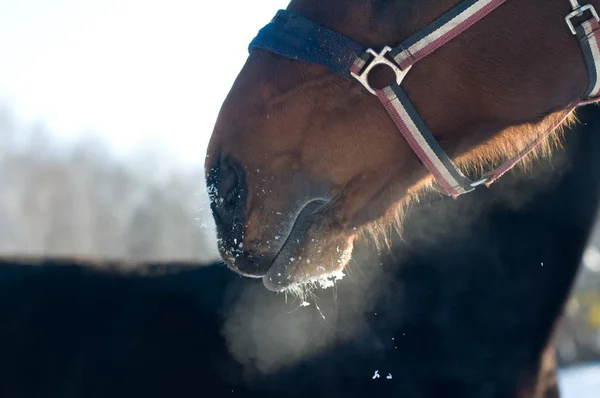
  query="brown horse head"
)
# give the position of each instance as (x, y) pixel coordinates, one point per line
(302, 161)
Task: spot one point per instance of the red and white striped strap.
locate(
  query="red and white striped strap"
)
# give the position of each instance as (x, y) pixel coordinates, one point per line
(442, 30)
(588, 34)
(450, 180)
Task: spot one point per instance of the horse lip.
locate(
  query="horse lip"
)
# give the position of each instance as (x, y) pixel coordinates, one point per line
(278, 277)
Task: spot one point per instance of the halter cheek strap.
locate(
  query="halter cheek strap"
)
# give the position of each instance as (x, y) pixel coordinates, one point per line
(295, 37)
(588, 34)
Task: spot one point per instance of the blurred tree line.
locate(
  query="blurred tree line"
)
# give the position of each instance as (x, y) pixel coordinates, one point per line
(80, 200)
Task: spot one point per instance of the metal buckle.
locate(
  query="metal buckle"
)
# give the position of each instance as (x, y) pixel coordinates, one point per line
(578, 11)
(479, 182)
(378, 59)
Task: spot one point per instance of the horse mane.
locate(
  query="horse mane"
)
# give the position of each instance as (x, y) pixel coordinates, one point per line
(485, 157)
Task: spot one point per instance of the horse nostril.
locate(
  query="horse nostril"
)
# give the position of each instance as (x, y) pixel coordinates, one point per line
(226, 184)
(230, 184)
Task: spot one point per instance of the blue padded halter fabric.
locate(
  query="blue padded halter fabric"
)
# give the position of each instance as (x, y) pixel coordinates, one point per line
(293, 36)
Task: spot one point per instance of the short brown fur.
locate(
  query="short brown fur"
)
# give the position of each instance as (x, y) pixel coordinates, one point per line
(302, 133)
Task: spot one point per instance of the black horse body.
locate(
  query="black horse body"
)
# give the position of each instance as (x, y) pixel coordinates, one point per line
(464, 306)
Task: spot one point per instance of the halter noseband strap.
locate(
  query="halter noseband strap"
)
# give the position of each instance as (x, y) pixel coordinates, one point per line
(293, 36)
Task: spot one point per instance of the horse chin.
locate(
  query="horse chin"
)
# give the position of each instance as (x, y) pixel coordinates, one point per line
(284, 275)
(312, 252)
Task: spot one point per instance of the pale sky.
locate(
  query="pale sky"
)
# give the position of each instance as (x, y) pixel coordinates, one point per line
(129, 70)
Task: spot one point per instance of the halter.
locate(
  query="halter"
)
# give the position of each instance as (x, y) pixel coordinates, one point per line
(293, 36)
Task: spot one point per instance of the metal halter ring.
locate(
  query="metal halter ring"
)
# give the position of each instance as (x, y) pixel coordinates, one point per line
(379, 59)
(578, 11)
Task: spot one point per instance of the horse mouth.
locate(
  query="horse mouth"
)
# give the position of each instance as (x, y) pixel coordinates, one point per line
(294, 255)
